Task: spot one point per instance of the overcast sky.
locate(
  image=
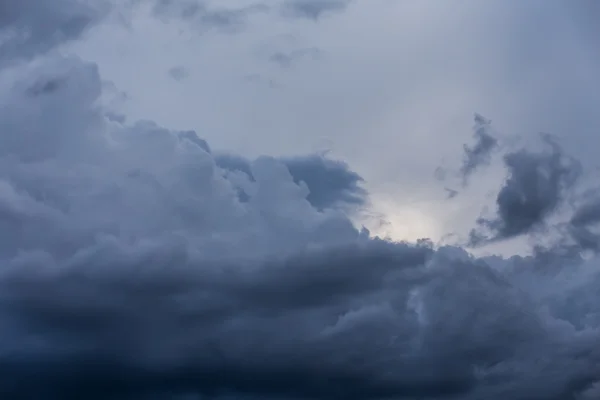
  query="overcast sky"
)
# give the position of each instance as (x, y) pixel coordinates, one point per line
(388, 86)
(185, 187)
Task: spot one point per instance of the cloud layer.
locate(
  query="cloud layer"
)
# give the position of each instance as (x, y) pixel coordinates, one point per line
(137, 263)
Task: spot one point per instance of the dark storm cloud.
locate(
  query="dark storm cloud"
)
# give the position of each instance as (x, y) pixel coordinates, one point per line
(537, 184)
(130, 270)
(479, 154)
(330, 183)
(335, 324)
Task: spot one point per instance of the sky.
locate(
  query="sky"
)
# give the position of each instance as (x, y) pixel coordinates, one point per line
(299, 199)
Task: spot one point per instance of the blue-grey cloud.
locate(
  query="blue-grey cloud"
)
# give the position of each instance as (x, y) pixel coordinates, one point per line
(289, 58)
(313, 9)
(537, 184)
(32, 27)
(132, 268)
(179, 73)
(480, 153)
(205, 15)
(330, 182)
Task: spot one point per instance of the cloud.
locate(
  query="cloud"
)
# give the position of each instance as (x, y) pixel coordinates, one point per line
(480, 153)
(582, 226)
(288, 59)
(330, 183)
(205, 16)
(32, 27)
(179, 73)
(313, 9)
(537, 184)
(132, 268)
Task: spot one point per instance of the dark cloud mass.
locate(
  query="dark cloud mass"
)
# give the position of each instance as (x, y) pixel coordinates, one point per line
(138, 264)
(207, 15)
(537, 184)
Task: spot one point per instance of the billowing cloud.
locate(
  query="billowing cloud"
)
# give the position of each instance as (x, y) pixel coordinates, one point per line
(537, 184)
(32, 27)
(132, 268)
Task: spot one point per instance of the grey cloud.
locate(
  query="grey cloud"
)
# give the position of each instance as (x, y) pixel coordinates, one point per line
(330, 183)
(479, 154)
(127, 278)
(336, 324)
(584, 221)
(32, 27)
(131, 269)
(206, 16)
(179, 73)
(261, 80)
(313, 9)
(537, 184)
(451, 193)
(288, 59)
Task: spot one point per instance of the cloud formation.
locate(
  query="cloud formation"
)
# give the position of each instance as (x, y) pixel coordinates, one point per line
(132, 268)
(32, 27)
(137, 263)
(313, 9)
(479, 154)
(330, 183)
(289, 58)
(537, 184)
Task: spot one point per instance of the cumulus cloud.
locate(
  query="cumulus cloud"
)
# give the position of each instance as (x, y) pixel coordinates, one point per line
(137, 263)
(132, 268)
(537, 184)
